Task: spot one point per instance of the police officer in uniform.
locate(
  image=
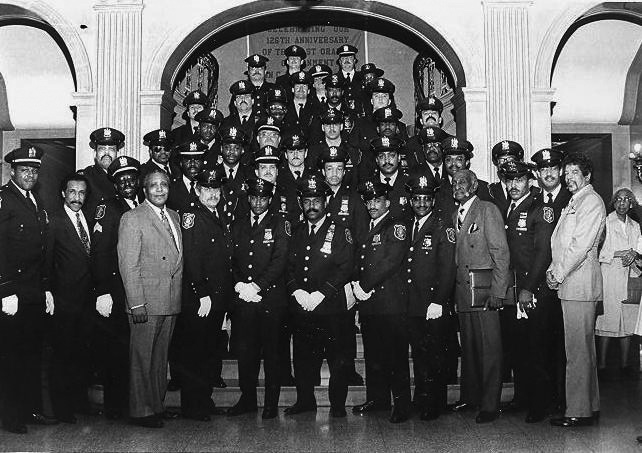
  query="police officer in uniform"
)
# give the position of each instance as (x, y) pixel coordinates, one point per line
(295, 148)
(194, 102)
(370, 72)
(105, 142)
(24, 290)
(243, 114)
(382, 291)
(349, 77)
(256, 67)
(431, 253)
(388, 124)
(387, 157)
(319, 267)
(258, 264)
(549, 176)
(294, 62)
(528, 231)
(182, 190)
(425, 156)
(207, 290)
(111, 335)
(301, 110)
(502, 152)
(209, 121)
(319, 73)
(160, 143)
(429, 110)
(233, 144)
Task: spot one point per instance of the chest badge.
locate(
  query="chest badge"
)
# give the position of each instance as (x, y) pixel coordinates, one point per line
(267, 236)
(188, 220)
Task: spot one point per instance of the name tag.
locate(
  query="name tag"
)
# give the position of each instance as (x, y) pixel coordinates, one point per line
(343, 210)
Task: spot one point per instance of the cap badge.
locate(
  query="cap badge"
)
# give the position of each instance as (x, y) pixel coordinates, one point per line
(196, 95)
(242, 85)
(256, 58)
(270, 120)
(454, 143)
(296, 139)
(333, 151)
(233, 132)
(268, 150)
(122, 160)
(546, 155)
(260, 184)
(385, 141)
(430, 132)
(294, 48)
(345, 48)
(312, 183)
(317, 68)
(162, 134)
(369, 185)
(431, 101)
(505, 146)
(423, 181)
(212, 113)
(107, 132)
(380, 82)
(32, 152)
(192, 146)
(387, 113)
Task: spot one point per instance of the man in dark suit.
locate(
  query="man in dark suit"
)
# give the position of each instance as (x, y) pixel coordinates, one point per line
(150, 259)
(256, 68)
(349, 77)
(382, 291)
(369, 73)
(258, 264)
(160, 142)
(424, 153)
(24, 289)
(301, 111)
(209, 121)
(182, 194)
(319, 95)
(529, 227)
(194, 102)
(502, 152)
(207, 290)
(111, 328)
(105, 142)
(233, 144)
(387, 157)
(431, 253)
(68, 249)
(319, 267)
(549, 177)
(481, 244)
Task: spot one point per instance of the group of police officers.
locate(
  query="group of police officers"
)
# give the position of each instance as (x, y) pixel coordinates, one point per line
(304, 212)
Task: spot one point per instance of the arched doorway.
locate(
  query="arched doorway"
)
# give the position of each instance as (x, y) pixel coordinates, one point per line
(373, 18)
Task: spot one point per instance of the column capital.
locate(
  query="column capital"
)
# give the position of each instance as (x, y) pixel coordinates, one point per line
(151, 97)
(118, 5)
(507, 3)
(83, 98)
(543, 94)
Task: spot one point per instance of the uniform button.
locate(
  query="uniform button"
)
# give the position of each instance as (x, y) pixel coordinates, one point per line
(249, 279)
(212, 240)
(251, 241)
(249, 266)
(364, 246)
(505, 227)
(363, 256)
(409, 260)
(251, 253)
(19, 270)
(411, 249)
(308, 247)
(305, 268)
(410, 280)
(409, 270)
(230, 203)
(306, 258)
(361, 268)
(430, 289)
(113, 273)
(305, 279)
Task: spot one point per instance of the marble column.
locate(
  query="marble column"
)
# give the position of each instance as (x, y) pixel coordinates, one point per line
(118, 78)
(508, 71)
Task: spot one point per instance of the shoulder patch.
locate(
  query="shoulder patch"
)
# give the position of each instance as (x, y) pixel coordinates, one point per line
(348, 236)
(450, 235)
(549, 216)
(100, 212)
(288, 228)
(188, 220)
(400, 232)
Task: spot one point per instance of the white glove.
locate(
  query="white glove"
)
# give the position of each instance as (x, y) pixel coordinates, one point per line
(49, 302)
(360, 293)
(247, 292)
(303, 298)
(521, 314)
(434, 311)
(10, 304)
(104, 304)
(315, 299)
(206, 306)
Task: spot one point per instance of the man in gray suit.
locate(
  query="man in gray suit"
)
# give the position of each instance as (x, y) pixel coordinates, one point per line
(481, 244)
(150, 259)
(575, 274)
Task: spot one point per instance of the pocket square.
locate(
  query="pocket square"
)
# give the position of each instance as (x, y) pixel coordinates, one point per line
(473, 227)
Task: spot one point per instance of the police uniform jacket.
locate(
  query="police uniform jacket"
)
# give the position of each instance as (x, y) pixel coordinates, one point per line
(417, 163)
(234, 120)
(347, 208)
(180, 199)
(399, 201)
(184, 133)
(368, 131)
(559, 202)
(352, 166)
(148, 166)
(322, 263)
(380, 266)
(352, 89)
(233, 192)
(528, 232)
(207, 251)
(446, 204)
(302, 121)
(260, 256)
(260, 95)
(498, 196)
(430, 265)
(23, 240)
(100, 188)
(104, 253)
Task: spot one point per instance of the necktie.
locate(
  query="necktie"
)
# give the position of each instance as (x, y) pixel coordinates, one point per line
(166, 168)
(437, 176)
(549, 198)
(300, 107)
(30, 198)
(243, 120)
(84, 238)
(192, 192)
(165, 221)
(135, 203)
(460, 218)
(372, 224)
(195, 130)
(297, 174)
(231, 174)
(312, 228)
(415, 230)
(387, 179)
(511, 209)
(255, 221)
(348, 79)
(323, 99)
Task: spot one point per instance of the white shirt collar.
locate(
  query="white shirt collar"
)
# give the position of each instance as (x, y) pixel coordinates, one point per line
(261, 216)
(23, 192)
(317, 225)
(555, 192)
(377, 221)
(463, 209)
(72, 216)
(392, 177)
(422, 220)
(188, 182)
(518, 202)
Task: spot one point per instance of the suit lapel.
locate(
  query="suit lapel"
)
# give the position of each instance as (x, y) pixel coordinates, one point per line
(468, 221)
(156, 221)
(425, 227)
(72, 232)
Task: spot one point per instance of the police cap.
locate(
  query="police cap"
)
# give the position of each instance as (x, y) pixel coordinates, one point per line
(209, 115)
(312, 185)
(372, 188)
(157, 137)
(256, 61)
(432, 134)
(267, 155)
(455, 145)
(195, 97)
(123, 164)
(259, 187)
(507, 148)
(106, 136)
(27, 155)
(211, 177)
(421, 185)
(548, 157)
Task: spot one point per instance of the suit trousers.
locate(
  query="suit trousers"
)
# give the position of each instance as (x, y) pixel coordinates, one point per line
(256, 335)
(148, 348)
(385, 349)
(198, 345)
(428, 341)
(582, 392)
(21, 337)
(111, 344)
(481, 364)
(316, 337)
(69, 376)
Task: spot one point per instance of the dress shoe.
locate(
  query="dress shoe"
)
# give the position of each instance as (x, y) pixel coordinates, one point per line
(40, 419)
(167, 415)
(214, 410)
(429, 414)
(460, 406)
(241, 408)
(535, 417)
(369, 406)
(151, 421)
(338, 412)
(355, 379)
(270, 412)
(219, 383)
(569, 422)
(398, 415)
(15, 428)
(486, 417)
(298, 408)
(197, 417)
(173, 385)
(67, 418)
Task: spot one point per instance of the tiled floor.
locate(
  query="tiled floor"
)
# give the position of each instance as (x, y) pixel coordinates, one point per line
(620, 422)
